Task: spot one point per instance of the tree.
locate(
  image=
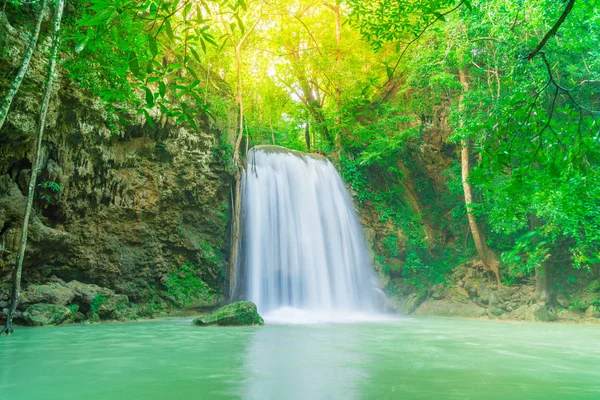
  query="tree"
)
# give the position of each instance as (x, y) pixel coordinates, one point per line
(36, 165)
(487, 256)
(237, 43)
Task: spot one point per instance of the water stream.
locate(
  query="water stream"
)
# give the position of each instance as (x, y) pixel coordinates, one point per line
(304, 254)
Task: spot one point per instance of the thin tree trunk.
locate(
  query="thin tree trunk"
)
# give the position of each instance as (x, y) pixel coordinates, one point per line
(272, 131)
(14, 88)
(235, 236)
(307, 136)
(543, 288)
(240, 102)
(35, 167)
(308, 95)
(235, 229)
(487, 256)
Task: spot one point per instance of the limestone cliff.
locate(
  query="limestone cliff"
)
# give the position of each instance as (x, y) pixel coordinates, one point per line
(125, 206)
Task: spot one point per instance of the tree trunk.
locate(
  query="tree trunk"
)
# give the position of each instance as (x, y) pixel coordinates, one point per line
(16, 294)
(14, 88)
(308, 95)
(235, 228)
(543, 288)
(235, 235)
(307, 136)
(240, 102)
(272, 131)
(487, 256)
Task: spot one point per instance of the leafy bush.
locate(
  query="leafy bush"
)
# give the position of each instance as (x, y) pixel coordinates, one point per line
(99, 299)
(186, 288)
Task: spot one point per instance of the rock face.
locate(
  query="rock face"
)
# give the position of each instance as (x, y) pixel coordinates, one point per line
(235, 314)
(135, 202)
(42, 314)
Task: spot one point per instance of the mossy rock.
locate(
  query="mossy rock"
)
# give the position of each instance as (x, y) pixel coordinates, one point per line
(42, 314)
(240, 313)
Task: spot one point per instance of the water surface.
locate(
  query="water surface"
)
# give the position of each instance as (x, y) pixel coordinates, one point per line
(413, 358)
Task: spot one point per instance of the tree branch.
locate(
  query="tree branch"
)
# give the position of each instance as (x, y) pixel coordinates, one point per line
(552, 31)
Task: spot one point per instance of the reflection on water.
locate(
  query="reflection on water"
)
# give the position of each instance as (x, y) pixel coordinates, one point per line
(304, 363)
(415, 358)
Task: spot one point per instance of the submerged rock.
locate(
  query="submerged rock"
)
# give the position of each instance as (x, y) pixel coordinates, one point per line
(43, 314)
(234, 314)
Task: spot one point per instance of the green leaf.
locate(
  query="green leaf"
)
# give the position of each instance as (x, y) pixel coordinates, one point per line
(153, 46)
(149, 97)
(149, 119)
(196, 56)
(162, 89)
(134, 66)
(193, 73)
(169, 30)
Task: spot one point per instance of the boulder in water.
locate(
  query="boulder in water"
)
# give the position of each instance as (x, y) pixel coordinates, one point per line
(234, 314)
(43, 314)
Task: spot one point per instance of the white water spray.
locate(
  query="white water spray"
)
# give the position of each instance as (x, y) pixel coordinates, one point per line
(305, 257)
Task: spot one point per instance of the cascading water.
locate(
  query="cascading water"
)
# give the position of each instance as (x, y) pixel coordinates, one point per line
(304, 254)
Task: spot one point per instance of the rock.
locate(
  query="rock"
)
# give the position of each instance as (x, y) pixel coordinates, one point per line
(234, 314)
(539, 313)
(592, 312)
(102, 301)
(519, 313)
(87, 293)
(494, 311)
(111, 306)
(584, 300)
(563, 300)
(594, 286)
(438, 291)
(406, 304)
(495, 298)
(92, 317)
(78, 317)
(50, 293)
(483, 292)
(461, 292)
(450, 308)
(43, 314)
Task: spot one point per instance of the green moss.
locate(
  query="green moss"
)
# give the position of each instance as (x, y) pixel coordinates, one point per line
(185, 288)
(241, 313)
(99, 299)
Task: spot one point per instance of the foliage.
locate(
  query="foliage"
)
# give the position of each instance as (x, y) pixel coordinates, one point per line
(186, 288)
(73, 307)
(99, 299)
(377, 83)
(48, 187)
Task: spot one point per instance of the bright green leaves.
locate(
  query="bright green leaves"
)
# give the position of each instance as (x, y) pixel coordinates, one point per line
(385, 21)
(151, 48)
(152, 45)
(134, 65)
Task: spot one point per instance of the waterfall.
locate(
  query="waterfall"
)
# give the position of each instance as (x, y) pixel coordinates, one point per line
(304, 253)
